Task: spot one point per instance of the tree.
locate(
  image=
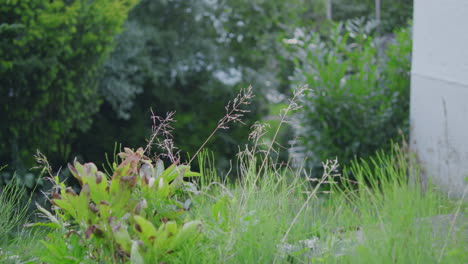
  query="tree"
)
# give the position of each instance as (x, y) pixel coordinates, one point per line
(50, 57)
(192, 57)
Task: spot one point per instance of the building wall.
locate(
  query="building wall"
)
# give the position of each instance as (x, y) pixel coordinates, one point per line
(439, 91)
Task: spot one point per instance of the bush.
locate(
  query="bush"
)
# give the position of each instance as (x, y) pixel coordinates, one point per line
(359, 98)
(50, 55)
(137, 214)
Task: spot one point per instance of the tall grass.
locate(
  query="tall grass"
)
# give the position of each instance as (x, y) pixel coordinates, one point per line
(382, 217)
(282, 216)
(13, 209)
(15, 241)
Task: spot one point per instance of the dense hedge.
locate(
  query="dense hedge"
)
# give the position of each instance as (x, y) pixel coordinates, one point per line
(50, 55)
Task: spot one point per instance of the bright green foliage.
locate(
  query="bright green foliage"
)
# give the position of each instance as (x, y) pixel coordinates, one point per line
(221, 213)
(381, 217)
(397, 75)
(13, 211)
(50, 55)
(135, 215)
(359, 98)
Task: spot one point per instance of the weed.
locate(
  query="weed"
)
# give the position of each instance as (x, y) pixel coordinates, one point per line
(134, 215)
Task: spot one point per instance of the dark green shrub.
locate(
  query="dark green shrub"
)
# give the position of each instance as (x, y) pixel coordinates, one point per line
(50, 56)
(359, 98)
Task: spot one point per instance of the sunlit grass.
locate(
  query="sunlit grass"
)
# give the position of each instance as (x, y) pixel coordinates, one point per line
(16, 242)
(382, 218)
(281, 216)
(13, 210)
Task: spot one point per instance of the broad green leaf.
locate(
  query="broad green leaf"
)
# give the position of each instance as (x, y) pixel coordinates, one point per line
(170, 173)
(145, 230)
(190, 230)
(192, 174)
(121, 236)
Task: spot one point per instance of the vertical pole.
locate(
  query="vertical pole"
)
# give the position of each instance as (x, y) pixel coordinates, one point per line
(377, 17)
(329, 9)
(377, 10)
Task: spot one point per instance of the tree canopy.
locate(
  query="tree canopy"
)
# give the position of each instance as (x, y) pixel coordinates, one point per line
(50, 56)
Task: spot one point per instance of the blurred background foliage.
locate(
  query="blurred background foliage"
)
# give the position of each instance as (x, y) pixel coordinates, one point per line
(359, 98)
(78, 76)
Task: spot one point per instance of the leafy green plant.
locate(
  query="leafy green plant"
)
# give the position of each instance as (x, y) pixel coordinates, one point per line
(135, 215)
(50, 56)
(359, 98)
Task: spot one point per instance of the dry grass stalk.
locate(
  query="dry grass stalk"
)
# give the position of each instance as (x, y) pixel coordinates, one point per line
(329, 172)
(292, 106)
(234, 114)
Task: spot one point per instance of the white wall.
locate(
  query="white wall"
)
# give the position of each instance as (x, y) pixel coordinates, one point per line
(439, 91)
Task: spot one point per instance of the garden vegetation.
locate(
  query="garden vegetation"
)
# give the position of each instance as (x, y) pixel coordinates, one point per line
(308, 166)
